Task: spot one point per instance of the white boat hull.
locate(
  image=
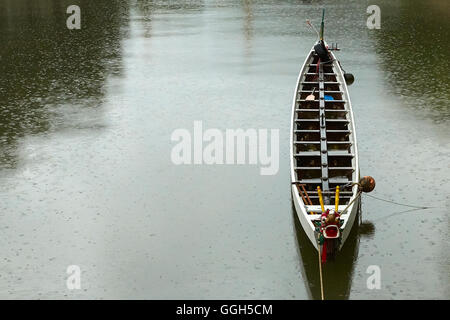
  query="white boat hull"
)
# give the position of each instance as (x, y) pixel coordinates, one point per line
(304, 211)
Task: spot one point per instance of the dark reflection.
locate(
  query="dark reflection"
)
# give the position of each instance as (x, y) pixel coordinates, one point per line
(45, 66)
(146, 10)
(182, 5)
(337, 275)
(413, 47)
(248, 21)
(367, 229)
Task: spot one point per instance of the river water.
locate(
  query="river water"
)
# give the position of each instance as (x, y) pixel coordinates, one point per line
(86, 176)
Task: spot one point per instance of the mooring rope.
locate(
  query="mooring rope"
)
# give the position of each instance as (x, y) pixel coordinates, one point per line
(351, 202)
(319, 253)
(399, 204)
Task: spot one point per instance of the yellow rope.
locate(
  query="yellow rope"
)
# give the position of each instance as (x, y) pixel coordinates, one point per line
(320, 270)
(351, 202)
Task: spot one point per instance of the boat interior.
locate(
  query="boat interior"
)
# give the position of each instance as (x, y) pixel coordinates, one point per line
(323, 152)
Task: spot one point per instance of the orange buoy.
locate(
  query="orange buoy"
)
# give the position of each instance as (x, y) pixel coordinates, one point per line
(367, 184)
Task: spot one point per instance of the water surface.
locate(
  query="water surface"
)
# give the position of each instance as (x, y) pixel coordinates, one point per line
(85, 172)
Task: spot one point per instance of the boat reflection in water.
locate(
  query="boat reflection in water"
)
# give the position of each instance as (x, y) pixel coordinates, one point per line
(337, 274)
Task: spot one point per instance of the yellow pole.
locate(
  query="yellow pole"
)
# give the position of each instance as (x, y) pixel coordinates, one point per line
(337, 199)
(319, 192)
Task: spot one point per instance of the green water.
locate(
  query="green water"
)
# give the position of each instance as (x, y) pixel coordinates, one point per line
(85, 172)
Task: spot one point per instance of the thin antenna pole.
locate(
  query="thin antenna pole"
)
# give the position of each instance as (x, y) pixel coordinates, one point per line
(322, 26)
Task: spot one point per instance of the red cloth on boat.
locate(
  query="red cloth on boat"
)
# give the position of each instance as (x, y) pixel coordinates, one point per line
(323, 218)
(324, 252)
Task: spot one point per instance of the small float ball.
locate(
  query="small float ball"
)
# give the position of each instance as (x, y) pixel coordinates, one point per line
(367, 184)
(349, 78)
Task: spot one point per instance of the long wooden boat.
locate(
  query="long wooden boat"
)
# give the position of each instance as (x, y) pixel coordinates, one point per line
(323, 146)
